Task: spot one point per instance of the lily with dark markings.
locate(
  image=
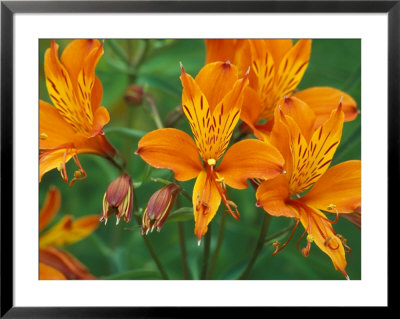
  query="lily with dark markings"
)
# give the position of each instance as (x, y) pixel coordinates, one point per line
(212, 103)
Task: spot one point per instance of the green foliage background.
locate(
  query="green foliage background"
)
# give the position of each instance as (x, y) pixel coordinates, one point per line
(119, 252)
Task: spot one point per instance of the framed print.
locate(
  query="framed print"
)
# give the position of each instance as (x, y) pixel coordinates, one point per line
(196, 154)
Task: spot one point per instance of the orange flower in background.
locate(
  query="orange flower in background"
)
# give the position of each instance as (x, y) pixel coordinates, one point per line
(55, 263)
(308, 154)
(212, 103)
(277, 67)
(74, 125)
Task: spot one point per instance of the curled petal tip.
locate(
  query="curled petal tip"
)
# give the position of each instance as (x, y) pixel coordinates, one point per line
(181, 65)
(258, 204)
(347, 277)
(199, 242)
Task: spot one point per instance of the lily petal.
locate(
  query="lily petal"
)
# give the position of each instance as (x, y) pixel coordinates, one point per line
(323, 100)
(317, 225)
(68, 231)
(340, 186)
(250, 159)
(50, 207)
(75, 53)
(251, 110)
(206, 200)
(292, 67)
(302, 114)
(65, 263)
(215, 80)
(49, 273)
(63, 92)
(53, 129)
(321, 149)
(278, 48)
(173, 149)
(273, 195)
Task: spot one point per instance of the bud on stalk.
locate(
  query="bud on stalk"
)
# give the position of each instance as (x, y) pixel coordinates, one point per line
(158, 207)
(118, 199)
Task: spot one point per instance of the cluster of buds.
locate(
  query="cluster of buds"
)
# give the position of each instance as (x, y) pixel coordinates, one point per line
(158, 208)
(118, 199)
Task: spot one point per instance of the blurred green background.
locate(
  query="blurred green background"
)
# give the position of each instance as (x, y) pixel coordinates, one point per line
(119, 252)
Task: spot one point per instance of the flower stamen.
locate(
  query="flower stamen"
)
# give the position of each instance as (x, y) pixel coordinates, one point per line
(277, 243)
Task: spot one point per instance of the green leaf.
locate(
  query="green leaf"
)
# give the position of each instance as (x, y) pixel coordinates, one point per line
(127, 132)
(181, 215)
(134, 274)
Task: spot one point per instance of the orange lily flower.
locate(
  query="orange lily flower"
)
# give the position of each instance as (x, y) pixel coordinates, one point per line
(212, 103)
(307, 154)
(55, 263)
(74, 125)
(277, 67)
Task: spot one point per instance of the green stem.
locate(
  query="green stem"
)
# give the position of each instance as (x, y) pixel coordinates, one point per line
(259, 246)
(218, 246)
(125, 132)
(147, 240)
(206, 253)
(185, 266)
(279, 233)
(154, 111)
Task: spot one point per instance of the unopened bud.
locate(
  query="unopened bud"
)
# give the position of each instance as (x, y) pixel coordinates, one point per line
(134, 95)
(158, 207)
(118, 199)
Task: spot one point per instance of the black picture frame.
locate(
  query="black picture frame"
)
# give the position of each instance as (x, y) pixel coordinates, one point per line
(9, 8)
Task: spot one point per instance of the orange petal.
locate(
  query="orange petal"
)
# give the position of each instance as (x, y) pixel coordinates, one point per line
(215, 80)
(75, 53)
(251, 109)
(323, 235)
(226, 49)
(321, 149)
(278, 48)
(292, 68)
(49, 273)
(63, 92)
(50, 207)
(197, 110)
(339, 186)
(52, 159)
(65, 263)
(68, 231)
(86, 82)
(173, 149)
(250, 159)
(323, 100)
(263, 67)
(101, 118)
(224, 119)
(53, 129)
(302, 114)
(273, 195)
(97, 94)
(206, 200)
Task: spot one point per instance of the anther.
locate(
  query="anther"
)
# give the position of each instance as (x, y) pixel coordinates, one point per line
(211, 162)
(331, 207)
(43, 136)
(78, 174)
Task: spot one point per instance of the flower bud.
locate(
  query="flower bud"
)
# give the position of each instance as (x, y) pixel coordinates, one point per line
(134, 95)
(158, 207)
(118, 199)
